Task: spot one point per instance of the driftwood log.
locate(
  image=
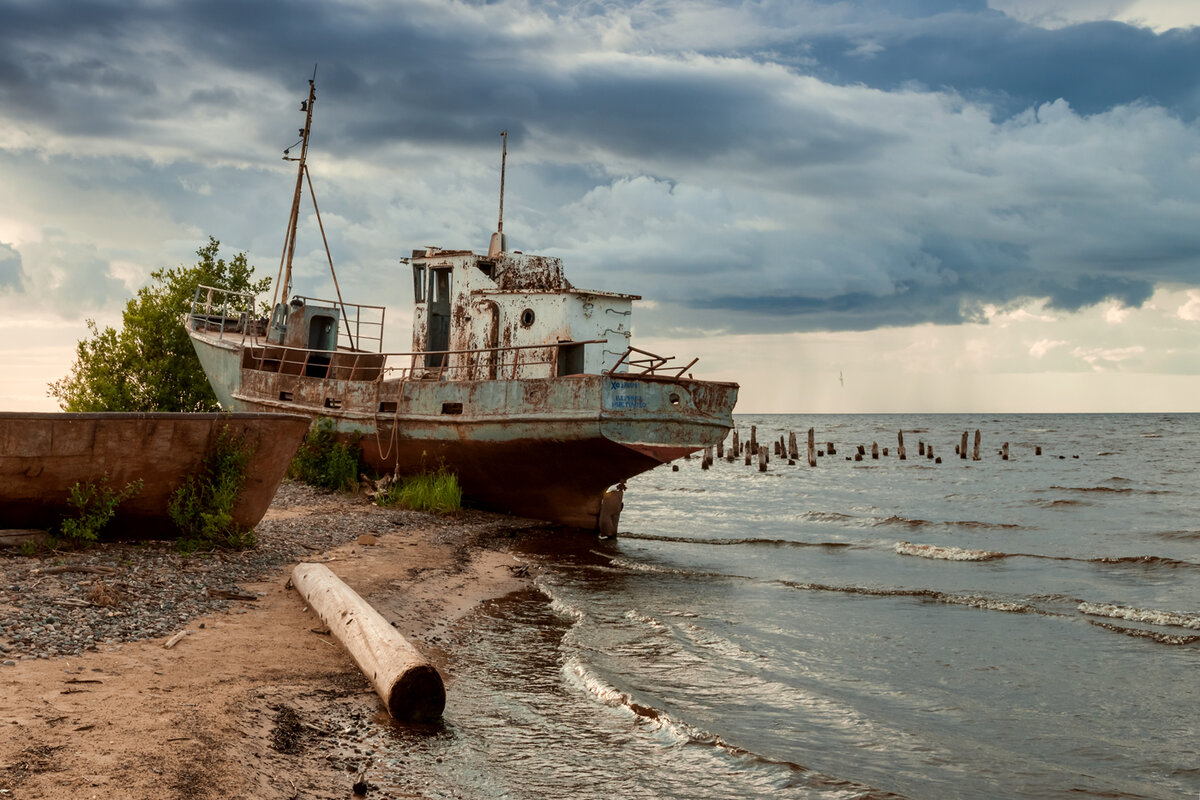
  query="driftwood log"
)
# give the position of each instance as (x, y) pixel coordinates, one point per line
(409, 685)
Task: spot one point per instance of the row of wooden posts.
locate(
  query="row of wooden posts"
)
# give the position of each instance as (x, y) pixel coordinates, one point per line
(748, 450)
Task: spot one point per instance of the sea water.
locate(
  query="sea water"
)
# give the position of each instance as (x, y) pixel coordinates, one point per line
(1027, 628)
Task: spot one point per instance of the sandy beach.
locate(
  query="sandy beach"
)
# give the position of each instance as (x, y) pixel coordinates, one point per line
(255, 699)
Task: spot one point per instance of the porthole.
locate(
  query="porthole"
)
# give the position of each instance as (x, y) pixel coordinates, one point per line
(674, 398)
(527, 317)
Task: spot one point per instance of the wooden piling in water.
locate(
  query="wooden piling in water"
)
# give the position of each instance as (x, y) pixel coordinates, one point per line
(830, 449)
(754, 438)
(975, 451)
(1004, 452)
(920, 447)
(762, 458)
(721, 449)
(929, 451)
(900, 446)
(793, 451)
(1037, 451)
(812, 448)
(707, 461)
(875, 450)
(962, 447)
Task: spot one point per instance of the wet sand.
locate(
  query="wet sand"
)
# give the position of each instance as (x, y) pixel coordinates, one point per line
(256, 700)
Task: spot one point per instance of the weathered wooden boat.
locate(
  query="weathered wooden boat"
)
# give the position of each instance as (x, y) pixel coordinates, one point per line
(43, 455)
(524, 386)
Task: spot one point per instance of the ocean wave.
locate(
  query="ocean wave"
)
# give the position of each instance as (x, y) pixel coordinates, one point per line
(645, 619)
(657, 721)
(1179, 535)
(1151, 561)
(1109, 489)
(1141, 633)
(962, 523)
(826, 516)
(932, 595)
(748, 540)
(946, 553)
(1059, 503)
(895, 519)
(1149, 616)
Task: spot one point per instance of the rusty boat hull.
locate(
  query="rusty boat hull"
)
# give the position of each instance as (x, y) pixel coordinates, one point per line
(43, 455)
(542, 448)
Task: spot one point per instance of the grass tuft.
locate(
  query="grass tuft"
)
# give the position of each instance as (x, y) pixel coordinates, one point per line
(95, 504)
(324, 462)
(202, 507)
(426, 491)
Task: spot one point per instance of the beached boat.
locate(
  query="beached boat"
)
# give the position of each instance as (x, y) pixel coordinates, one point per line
(522, 385)
(43, 455)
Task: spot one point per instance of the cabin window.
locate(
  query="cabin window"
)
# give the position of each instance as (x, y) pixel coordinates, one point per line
(452, 408)
(418, 283)
(333, 402)
(527, 317)
(285, 397)
(570, 359)
(439, 286)
(387, 407)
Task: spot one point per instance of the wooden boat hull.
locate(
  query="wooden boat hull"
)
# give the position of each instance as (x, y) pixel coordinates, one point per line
(42, 455)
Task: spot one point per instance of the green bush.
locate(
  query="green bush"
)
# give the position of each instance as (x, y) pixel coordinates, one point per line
(426, 491)
(95, 503)
(324, 462)
(202, 507)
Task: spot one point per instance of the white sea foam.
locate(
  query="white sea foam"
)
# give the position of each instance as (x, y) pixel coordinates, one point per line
(645, 619)
(976, 601)
(945, 553)
(1149, 616)
(640, 566)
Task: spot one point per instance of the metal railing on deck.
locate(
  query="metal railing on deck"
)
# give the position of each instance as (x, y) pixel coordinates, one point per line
(651, 364)
(225, 311)
(356, 329)
(489, 363)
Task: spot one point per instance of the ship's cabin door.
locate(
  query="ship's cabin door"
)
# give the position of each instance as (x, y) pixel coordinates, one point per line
(438, 331)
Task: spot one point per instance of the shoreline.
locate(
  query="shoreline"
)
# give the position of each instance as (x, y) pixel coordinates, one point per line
(254, 698)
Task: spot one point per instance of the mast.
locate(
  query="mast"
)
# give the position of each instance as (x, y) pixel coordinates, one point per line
(289, 248)
(499, 243)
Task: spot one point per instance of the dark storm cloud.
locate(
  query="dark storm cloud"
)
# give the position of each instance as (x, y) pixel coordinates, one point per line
(12, 277)
(1011, 65)
(733, 139)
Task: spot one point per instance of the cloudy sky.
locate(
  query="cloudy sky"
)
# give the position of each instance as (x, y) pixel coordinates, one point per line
(850, 205)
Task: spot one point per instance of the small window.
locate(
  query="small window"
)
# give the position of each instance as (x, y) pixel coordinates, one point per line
(439, 286)
(527, 317)
(451, 408)
(285, 397)
(387, 407)
(418, 283)
(333, 402)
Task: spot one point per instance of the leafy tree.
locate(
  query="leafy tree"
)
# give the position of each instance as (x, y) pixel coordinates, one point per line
(149, 364)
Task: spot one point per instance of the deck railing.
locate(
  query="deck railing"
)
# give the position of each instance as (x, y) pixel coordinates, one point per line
(225, 311)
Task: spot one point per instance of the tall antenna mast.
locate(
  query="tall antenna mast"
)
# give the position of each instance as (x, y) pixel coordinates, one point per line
(499, 242)
(289, 248)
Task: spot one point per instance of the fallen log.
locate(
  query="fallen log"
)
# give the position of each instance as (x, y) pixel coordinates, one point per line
(407, 683)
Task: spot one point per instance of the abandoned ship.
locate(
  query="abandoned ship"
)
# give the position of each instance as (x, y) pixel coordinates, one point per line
(524, 386)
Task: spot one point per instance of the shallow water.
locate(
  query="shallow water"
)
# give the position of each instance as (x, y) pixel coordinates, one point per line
(1022, 628)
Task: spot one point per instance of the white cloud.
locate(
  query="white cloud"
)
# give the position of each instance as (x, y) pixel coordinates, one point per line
(1041, 347)
(1159, 15)
(1191, 309)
